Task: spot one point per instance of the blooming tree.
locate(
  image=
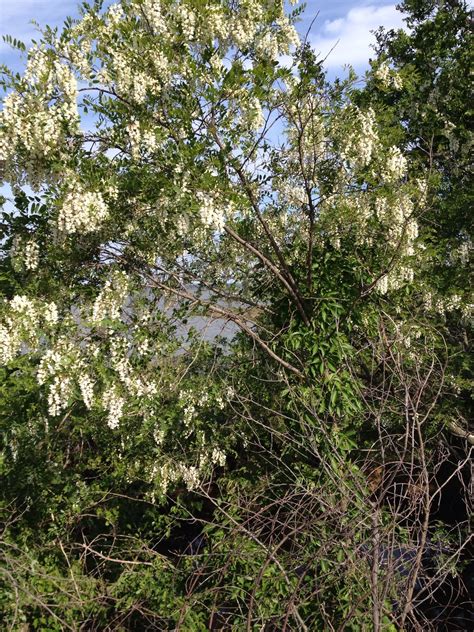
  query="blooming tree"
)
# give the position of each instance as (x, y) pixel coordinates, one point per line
(166, 165)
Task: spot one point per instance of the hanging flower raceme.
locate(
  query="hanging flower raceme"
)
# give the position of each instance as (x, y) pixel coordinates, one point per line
(25, 253)
(395, 166)
(387, 77)
(38, 116)
(21, 326)
(360, 141)
(81, 210)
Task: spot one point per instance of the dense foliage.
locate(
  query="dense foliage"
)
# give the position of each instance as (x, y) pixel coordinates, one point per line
(304, 464)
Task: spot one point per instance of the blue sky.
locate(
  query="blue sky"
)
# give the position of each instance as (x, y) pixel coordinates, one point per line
(342, 24)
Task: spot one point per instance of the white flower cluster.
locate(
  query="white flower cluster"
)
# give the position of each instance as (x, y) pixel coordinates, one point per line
(140, 140)
(215, 457)
(59, 394)
(360, 145)
(136, 385)
(382, 284)
(31, 255)
(411, 233)
(186, 20)
(50, 363)
(210, 211)
(189, 412)
(462, 253)
(388, 78)
(22, 325)
(143, 347)
(368, 137)
(37, 119)
(115, 14)
(114, 404)
(133, 83)
(218, 457)
(243, 32)
(217, 23)
(398, 217)
(267, 46)
(383, 74)
(134, 134)
(395, 165)
(10, 342)
(24, 254)
(192, 475)
(39, 130)
(287, 33)
(154, 15)
(189, 401)
(395, 279)
(273, 43)
(166, 475)
(81, 210)
(402, 232)
(45, 69)
(78, 53)
(62, 364)
(109, 302)
(291, 192)
(393, 211)
(306, 130)
(159, 436)
(455, 302)
(50, 313)
(360, 207)
(87, 389)
(442, 305)
(253, 114)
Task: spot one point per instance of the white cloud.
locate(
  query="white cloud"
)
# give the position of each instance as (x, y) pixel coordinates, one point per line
(349, 38)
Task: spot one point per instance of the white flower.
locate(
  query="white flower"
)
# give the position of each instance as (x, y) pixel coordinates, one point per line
(59, 394)
(87, 390)
(188, 414)
(187, 20)
(288, 33)
(110, 301)
(267, 46)
(81, 210)
(154, 15)
(382, 284)
(383, 74)
(360, 145)
(254, 114)
(51, 313)
(388, 78)
(190, 476)
(210, 212)
(31, 255)
(218, 457)
(9, 345)
(395, 166)
(115, 13)
(397, 81)
(25, 254)
(114, 404)
(38, 119)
